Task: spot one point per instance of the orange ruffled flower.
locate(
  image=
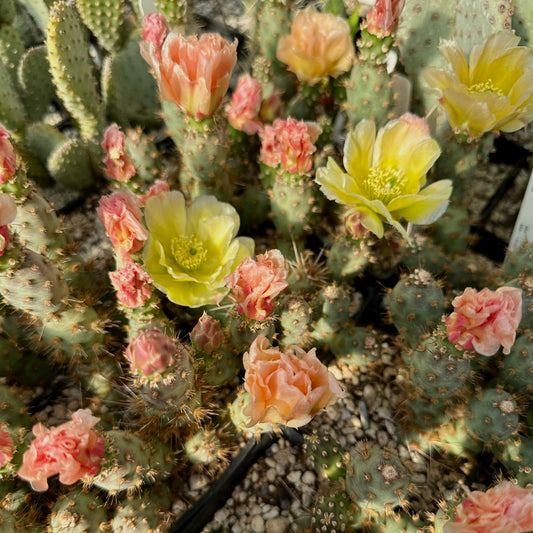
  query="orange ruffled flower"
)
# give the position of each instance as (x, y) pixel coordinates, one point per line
(193, 72)
(483, 321)
(132, 283)
(491, 91)
(504, 508)
(286, 388)
(319, 45)
(7, 447)
(118, 164)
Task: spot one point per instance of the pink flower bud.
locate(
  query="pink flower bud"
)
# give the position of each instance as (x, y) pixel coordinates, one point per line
(118, 163)
(7, 156)
(243, 110)
(132, 284)
(150, 352)
(7, 447)
(483, 321)
(158, 187)
(289, 144)
(354, 221)
(8, 213)
(207, 335)
(155, 31)
(383, 18)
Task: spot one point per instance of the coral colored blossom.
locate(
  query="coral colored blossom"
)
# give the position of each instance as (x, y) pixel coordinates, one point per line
(7, 156)
(155, 31)
(151, 351)
(7, 447)
(193, 72)
(385, 175)
(207, 334)
(255, 284)
(8, 213)
(118, 164)
(158, 187)
(485, 320)
(505, 508)
(319, 45)
(72, 450)
(132, 284)
(289, 144)
(286, 388)
(121, 216)
(491, 91)
(243, 110)
(382, 19)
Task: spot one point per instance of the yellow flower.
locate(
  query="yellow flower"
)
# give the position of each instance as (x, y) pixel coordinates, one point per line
(493, 91)
(318, 46)
(191, 250)
(385, 175)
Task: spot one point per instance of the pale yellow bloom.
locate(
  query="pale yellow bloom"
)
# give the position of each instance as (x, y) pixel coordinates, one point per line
(319, 45)
(191, 250)
(385, 175)
(491, 91)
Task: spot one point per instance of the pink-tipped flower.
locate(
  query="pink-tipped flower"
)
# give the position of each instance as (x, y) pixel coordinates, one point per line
(72, 450)
(289, 144)
(382, 19)
(505, 508)
(118, 164)
(255, 284)
(286, 388)
(7, 156)
(355, 221)
(121, 216)
(193, 72)
(155, 31)
(207, 335)
(158, 187)
(483, 321)
(243, 110)
(150, 352)
(8, 212)
(7, 447)
(132, 283)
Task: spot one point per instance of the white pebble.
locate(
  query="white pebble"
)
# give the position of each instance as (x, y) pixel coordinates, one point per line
(277, 525)
(308, 477)
(294, 476)
(258, 524)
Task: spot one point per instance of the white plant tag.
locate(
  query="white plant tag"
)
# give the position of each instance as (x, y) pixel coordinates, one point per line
(147, 6)
(523, 228)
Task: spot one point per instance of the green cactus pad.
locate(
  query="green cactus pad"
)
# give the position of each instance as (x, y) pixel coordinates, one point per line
(104, 18)
(77, 512)
(70, 165)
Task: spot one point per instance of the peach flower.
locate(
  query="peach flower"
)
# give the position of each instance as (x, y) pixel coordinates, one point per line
(150, 351)
(286, 388)
(132, 284)
(158, 187)
(121, 216)
(482, 321)
(8, 212)
(155, 31)
(505, 508)
(382, 19)
(72, 450)
(7, 156)
(118, 164)
(193, 72)
(319, 45)
(207, 335)
(289, 144)
(7, 447)
(255, 284)
(243, 110)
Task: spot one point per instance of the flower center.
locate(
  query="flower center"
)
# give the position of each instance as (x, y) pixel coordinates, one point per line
(188, 251)
(385, 183)
(486, 86)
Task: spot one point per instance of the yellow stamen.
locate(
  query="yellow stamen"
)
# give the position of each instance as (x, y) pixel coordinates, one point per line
(385, 183)
(188, 251)
(486, 86)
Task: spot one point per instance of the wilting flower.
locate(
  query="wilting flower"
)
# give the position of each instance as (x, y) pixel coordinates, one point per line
(118, 164)
(207, 334)
(254, 284)
(7, 156)
(286, 388)
(505, 508)
(385, 175)
(319, 45)
(382, 19)
(122, 216)
(482, 321)
(150, 351)
(289, 144)
(155, 31)
(72, 450)
(353, 221)
(193, 72)
(132, 283)
(8, 213)
(156, 188)
(7, 447)
(243, 110)
(190, 250)
(493, 91)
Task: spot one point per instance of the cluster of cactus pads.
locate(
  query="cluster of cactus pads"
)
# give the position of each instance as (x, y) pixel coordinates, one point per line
(88, 109)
